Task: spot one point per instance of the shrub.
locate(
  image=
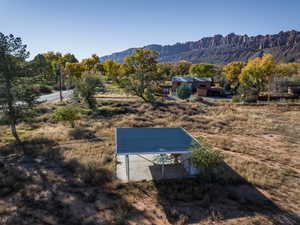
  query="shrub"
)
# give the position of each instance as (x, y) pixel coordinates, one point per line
(68, 113)
(236, 98)
(247, 99)
(183, 91)
(251, 99)
(86, 88)
(204, 157)
(198, 99)
(82, 133)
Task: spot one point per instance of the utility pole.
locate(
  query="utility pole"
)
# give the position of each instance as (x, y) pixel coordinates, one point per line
(60, 82)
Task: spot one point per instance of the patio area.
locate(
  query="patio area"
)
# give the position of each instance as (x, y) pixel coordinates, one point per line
(141, 168)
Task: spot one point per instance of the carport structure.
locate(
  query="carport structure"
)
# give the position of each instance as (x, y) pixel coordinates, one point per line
(137, 148)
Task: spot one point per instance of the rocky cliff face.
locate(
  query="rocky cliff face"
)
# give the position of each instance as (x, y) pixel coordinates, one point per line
(285, 46)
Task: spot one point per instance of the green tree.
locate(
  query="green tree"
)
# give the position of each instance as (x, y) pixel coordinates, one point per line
(41, 68)
(68, 113)
(140, 76)
(27, 93)
(12, 69)
(87, 86)
(202, 70)
(183, 91)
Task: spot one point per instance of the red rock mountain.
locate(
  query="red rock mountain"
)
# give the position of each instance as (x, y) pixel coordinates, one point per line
(285, 46)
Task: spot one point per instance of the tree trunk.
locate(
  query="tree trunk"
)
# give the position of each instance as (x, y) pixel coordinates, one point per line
(12, 112)
(14, 132)
(144, 99)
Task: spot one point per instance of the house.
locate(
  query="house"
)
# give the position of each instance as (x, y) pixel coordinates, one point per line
(294, 88)
(281, 88)
(198, 85)
(211, 91)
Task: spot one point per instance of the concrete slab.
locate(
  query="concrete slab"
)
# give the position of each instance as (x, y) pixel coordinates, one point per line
(142, 169)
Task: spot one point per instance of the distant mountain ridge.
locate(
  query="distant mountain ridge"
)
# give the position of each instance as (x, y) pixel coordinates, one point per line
(285, 46)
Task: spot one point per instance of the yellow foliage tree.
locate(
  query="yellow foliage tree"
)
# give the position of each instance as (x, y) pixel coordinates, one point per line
(288, 69)
(233, 70)
(58, 63)
(74, 70)
(181, 68)
(140, 76)
(92, 64)
(232, 73)
(258, 72)
(112, 71)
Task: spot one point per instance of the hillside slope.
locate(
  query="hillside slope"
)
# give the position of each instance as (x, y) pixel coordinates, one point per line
(285, 46)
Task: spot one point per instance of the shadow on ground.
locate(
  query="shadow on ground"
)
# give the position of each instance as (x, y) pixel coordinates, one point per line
(111, 109)
(170, 171)
(223, 195)
(42, 187)
(84, 134)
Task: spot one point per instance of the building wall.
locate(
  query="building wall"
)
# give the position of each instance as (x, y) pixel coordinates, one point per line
(201, 84)
(201, 91)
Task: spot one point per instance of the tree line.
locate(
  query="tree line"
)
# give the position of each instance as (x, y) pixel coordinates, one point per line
(258, 75)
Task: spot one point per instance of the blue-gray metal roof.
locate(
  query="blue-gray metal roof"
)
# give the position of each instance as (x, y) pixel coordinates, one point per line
(191, 79)
(152, 140)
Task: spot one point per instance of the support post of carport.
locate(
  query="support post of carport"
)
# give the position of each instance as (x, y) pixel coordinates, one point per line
(163, 166)
(127, 166)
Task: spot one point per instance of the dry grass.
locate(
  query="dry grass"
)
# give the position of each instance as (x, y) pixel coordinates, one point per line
(261, 144)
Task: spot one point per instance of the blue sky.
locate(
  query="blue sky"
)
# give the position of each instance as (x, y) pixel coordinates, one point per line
(106, 26)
